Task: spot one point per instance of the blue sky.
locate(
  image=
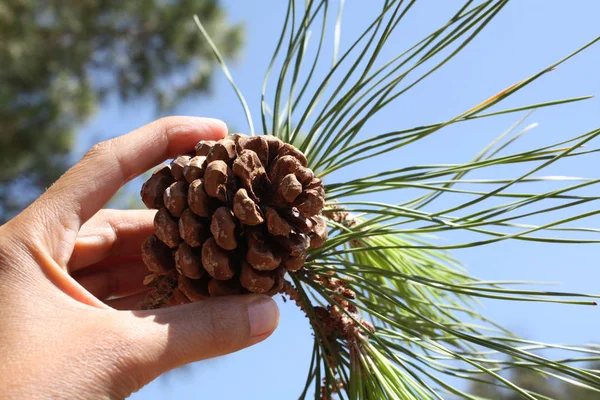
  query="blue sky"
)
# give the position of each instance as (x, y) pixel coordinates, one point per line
(524, 38)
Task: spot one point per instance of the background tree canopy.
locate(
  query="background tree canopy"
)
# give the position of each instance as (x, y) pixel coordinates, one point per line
(538, 385)
(60, 59)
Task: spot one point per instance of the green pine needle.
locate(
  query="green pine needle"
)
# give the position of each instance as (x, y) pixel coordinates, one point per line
(422, 303)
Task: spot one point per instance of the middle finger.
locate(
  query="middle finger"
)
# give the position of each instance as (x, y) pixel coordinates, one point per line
(114, 277)
(111, 233)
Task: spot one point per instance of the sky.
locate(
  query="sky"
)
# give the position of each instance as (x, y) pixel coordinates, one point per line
(525, 37)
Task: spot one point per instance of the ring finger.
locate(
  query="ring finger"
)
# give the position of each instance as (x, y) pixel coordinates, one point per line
(114, 277)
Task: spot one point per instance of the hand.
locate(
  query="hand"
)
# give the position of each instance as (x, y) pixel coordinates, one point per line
(69, 274)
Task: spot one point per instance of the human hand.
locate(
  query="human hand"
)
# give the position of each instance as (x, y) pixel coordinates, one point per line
(63, 334)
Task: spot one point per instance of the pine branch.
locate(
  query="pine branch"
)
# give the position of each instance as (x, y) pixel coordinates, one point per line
(393, 313)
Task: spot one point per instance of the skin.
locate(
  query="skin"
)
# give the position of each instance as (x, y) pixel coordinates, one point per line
(71, 274)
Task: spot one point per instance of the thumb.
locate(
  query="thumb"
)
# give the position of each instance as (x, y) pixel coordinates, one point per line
(170, 337)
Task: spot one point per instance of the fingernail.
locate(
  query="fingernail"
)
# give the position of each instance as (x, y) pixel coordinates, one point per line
(263, 314)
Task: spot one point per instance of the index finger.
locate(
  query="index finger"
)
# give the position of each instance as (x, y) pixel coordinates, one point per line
(88, 185)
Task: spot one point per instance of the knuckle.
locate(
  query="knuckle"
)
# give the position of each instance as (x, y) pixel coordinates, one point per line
(170, 122)
(219, 329)
(5, 259)
(170, 125)
(164, 125)
(103, 215)
(165, 121)
(16, 254)
(100, 148)
(226, 334)
(98, 151)
(108, 151)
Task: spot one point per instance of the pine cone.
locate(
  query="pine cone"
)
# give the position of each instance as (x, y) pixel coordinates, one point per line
(234, 218)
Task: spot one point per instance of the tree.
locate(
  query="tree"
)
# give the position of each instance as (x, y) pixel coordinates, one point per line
(580, 393)
(535, 383)
(538, 385)
(60, 59)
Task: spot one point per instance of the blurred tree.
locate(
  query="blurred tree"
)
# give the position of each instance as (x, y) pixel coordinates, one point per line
(535, 383)
(578, 393)
(61, 58)
(486, 390)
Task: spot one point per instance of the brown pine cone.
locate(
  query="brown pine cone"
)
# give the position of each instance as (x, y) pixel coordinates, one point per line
(234, 218)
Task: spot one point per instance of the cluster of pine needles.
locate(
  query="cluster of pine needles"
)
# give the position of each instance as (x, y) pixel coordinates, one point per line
(418, 300)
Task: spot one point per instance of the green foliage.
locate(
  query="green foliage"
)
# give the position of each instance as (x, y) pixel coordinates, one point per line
(421, 303)
(60, 59)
